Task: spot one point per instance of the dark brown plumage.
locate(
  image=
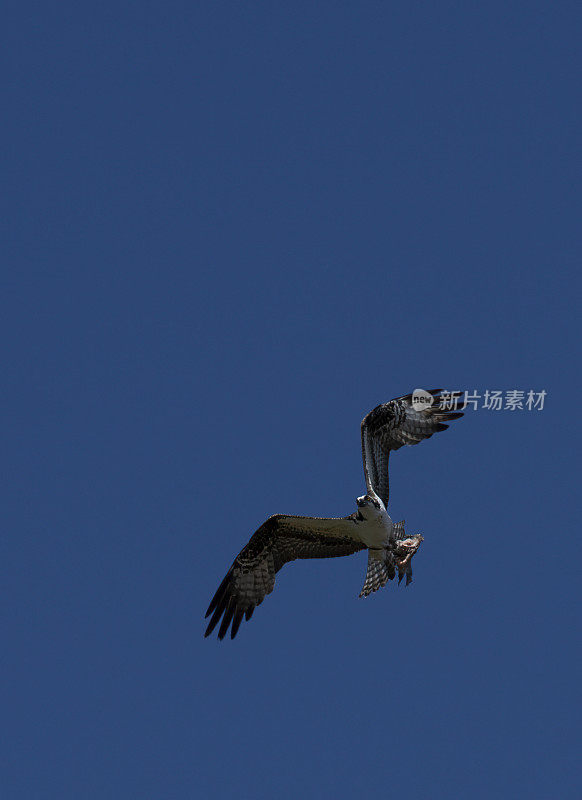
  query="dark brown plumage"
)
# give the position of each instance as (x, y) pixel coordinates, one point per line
(279, 540)
(392, 425)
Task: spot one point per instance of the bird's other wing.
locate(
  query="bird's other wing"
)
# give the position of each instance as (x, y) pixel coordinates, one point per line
(391, 425)
(280, 539)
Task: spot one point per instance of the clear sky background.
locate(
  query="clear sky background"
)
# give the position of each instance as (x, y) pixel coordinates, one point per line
(230, 230)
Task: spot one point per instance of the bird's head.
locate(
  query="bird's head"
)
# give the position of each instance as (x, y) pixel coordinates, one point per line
(369, 507)
(365, 500)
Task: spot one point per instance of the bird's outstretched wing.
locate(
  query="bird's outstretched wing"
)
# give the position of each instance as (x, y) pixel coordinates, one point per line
(280, 539)
(390, 426)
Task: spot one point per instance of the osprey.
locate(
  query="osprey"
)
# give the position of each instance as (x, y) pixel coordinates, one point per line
(284, 538)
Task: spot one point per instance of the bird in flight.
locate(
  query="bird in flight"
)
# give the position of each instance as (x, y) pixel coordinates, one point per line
(283, 538)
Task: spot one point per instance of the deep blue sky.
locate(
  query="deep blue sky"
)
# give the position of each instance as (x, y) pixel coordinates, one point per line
(230, 230)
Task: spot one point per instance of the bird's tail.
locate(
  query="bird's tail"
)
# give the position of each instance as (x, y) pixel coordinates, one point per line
(377, 574)
(381, 564)
(397, 555)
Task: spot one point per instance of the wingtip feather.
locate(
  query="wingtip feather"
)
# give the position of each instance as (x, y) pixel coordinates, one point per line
(238, 617)
(226, 620)
(218, 595)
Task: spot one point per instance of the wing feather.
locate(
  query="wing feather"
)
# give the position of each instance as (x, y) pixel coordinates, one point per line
(279, 540)
(392, 425)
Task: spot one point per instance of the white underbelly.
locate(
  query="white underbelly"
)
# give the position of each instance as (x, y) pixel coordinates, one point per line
(375, 533)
